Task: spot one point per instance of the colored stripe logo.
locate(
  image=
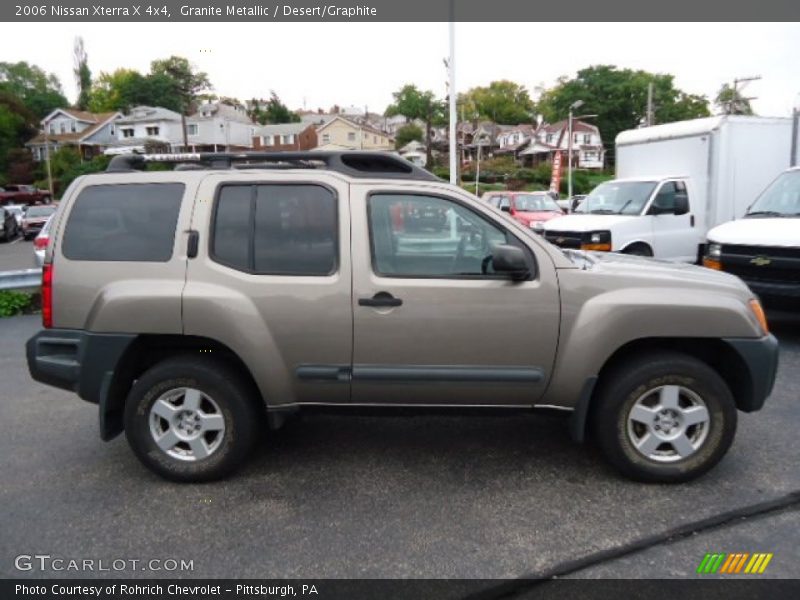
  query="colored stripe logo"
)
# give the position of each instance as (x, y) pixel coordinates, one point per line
(734, 563)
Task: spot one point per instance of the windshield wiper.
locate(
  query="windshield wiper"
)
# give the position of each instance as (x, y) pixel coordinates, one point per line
(624, 206)
(765, 213)
(602, 211)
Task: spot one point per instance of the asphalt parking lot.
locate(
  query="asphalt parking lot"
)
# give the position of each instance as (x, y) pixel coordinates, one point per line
(466, 497)
(16, 254)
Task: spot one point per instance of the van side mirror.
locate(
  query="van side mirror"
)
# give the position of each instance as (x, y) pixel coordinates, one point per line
(510, 260)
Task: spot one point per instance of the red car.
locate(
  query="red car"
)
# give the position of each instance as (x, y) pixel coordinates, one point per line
(529, 208)
(34, 218)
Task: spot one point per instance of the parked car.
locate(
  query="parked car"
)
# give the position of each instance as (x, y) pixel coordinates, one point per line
(23, 194)
(763, 247)
(34, 218)
(193, 305)
(40, 243)
(8, 225)
(532, 209)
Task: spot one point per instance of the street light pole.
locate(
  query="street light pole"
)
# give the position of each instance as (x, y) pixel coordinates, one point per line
(451, 65)
(572, 107)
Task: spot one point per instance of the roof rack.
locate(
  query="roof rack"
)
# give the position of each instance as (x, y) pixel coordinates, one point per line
(352, 162)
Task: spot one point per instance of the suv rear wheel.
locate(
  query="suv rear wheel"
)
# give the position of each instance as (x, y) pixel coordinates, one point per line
(191, 419)
(664, 418)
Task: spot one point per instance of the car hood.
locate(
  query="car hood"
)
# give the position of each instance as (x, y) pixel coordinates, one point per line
(757, 231)
(543, 215)
(672, 274)
(586, 222)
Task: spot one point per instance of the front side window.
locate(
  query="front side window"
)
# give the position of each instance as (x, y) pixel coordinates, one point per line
(125, 222)
(427, 236)
(272, 229)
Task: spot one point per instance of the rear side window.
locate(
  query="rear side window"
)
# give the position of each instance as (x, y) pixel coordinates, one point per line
(129, 222)
(276, 229)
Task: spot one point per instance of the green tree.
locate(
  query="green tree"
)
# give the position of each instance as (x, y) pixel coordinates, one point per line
(272, 111)
(17, 125)
(730, 101)
(125, 88)
(619, 99)
(503, 102)
(413, 103)
(189, 83)
(38, 91)
(83, 76)
(408, 133)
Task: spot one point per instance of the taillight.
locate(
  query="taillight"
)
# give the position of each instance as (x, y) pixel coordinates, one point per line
(40, 242)
(47, 295)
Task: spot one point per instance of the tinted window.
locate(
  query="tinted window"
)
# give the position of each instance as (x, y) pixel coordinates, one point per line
(426, 236)
(276, 229)
(130, 222)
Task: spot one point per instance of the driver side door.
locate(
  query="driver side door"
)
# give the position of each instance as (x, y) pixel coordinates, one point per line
(433, 324)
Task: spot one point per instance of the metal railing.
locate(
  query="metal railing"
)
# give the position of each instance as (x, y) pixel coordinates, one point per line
(23, 279)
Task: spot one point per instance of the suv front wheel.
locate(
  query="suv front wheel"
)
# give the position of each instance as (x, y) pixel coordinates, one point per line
(191, 419)
(666, 417)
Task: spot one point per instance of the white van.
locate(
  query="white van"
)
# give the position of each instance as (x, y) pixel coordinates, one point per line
(763, 247)
(675, 182)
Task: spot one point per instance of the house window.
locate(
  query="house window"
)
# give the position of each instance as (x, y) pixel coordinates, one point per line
(326, 138)
(374, 139)
(153, 130)
(288, 139)
(63, 127)
(351, 136)
(73, 127)
(577, 138)
(127, 132)
(52, 128)
(191, 129)
(266, 140)
(587, 138)
(111, 129)
(549, 138)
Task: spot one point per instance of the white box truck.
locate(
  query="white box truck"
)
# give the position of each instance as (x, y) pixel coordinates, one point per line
(674, 183)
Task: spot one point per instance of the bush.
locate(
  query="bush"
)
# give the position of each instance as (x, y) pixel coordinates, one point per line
(13, 303)
(443, 172)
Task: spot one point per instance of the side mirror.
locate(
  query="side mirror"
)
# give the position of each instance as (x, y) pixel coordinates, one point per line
(510, 260)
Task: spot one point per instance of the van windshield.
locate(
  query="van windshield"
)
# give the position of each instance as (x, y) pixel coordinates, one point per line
(617, 198)
(780, 199)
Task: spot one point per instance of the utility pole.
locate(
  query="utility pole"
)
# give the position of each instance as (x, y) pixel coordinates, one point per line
(650, 118)
(451, 66)
(735, 92)
(47, 158)
(572, 107)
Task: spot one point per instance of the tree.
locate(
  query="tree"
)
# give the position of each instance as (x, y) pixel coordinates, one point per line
(271, 111)
(83, 76)
(125, 88)
(503, 102)
(407, 133)
(730, 101)
(415, 104)
(17, 125)
(189, 83)
(619, 99)
(38, 91)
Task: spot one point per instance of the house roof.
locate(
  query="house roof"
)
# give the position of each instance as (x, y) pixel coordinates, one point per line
(283, 129)
(577, 127)
(217, 110)
(98, 120)
(367, 128)
(139, 114)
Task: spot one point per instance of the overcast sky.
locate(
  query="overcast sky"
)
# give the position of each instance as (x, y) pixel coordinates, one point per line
(321, 64)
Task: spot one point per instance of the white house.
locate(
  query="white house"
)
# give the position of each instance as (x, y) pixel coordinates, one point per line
(89, 133)
(148, 124)
(216, 126)
(587, 145)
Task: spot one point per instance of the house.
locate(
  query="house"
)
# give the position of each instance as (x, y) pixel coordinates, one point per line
(342, 133)
(513, 140)
(484, 139)
(90, 133)
(415, 153)
(284, 137)
(217, 126)
(148, 125)
(587, 145)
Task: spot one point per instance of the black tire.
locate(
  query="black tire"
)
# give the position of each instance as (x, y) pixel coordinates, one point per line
(235, 400)
(628, 382)
(639, 250)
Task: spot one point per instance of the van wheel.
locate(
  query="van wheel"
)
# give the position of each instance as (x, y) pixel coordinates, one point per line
(191, 419)
(664, 418)
(639, 250)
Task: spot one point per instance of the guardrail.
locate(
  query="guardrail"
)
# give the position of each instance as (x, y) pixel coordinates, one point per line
(23, 279)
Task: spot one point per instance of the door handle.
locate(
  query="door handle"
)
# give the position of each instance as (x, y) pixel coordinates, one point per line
(381, 299)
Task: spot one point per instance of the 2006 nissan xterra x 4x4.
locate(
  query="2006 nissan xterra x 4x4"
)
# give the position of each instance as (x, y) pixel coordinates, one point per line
(195, 306)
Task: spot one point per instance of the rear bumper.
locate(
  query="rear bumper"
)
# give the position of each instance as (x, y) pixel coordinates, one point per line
(78, 361)
(760, 356)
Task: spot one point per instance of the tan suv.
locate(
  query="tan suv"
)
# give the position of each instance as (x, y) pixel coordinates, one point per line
(199, 306)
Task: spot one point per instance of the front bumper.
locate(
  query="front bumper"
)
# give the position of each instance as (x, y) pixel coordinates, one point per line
(760, 357)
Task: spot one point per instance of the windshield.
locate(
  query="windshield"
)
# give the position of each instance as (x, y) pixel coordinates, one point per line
(617, 198)
(40, 211)
(535, 202)
(780, 199)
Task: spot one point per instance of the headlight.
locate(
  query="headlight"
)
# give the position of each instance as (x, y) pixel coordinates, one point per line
(600, 237)
(598, 241)
(537, 225)
(714, 250)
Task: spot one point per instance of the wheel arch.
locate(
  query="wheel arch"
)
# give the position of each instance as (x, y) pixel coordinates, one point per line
(634, 243)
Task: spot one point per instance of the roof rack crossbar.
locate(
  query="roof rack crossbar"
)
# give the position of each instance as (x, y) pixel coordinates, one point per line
(354, 163)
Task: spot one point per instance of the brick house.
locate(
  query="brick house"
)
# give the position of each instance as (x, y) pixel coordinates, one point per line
(285, 137)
